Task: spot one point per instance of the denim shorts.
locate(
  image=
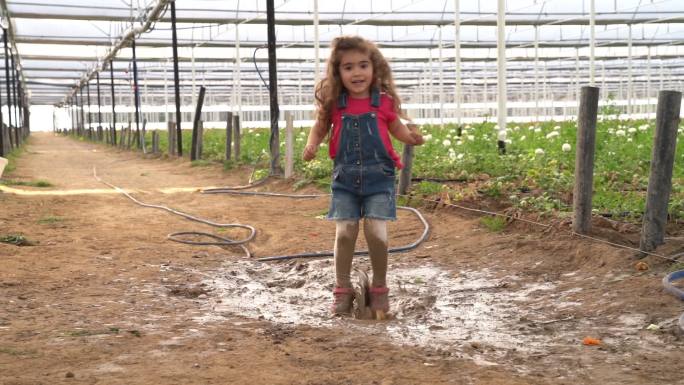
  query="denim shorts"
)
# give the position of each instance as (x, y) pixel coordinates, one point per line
(345, 205)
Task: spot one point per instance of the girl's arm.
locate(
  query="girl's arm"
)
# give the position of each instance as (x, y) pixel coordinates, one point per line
(316, 135)
(408, 135)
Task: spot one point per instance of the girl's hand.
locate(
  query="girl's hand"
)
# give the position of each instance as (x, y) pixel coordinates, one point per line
(415, 134)
(310, 151)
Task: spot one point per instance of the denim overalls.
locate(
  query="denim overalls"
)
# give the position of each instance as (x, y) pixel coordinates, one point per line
(363, 176)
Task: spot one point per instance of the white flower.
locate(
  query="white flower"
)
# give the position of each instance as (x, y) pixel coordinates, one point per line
(531, 128)
(427, 137)
(632, 130)
(460, 156)
(556, 128)
(566, 147)
(629, 139)
(620, 133)
(471, 137)
(446, 143)
(640, 146)
(467, 127)
(496, 126)
(522, 138)
(552, 134)
(643, 127)
(539, 151)
(516, 128)
(508, 141)
(537, 130)
(459, 143)
(452, 131)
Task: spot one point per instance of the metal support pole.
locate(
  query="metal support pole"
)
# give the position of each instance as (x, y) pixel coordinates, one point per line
(273, 89)
(662, 163)
(584, 159)
(81, 111)
(501, 62)
(317, 57)
(179, 134)
(99, 101)
(457, 48)
(111, 75)
(629, 73)
(7, 81)
(592, 42)
(136, 96)
(14, 97)
(195, 124)
(90, 123)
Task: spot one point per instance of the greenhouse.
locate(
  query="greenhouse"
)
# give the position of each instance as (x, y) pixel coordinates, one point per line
(185, 184)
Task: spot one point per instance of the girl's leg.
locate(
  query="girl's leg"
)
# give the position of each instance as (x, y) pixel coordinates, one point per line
(375, 231)
(346, 232)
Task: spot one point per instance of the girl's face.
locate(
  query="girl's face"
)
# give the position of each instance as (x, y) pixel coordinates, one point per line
(356, 71)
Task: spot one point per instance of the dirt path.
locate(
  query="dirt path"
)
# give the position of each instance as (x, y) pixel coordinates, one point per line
(104, 298)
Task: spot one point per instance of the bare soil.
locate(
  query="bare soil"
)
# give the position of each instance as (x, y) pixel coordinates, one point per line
(103, 297)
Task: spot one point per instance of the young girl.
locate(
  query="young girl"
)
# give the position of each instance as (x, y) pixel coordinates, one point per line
(358, 99)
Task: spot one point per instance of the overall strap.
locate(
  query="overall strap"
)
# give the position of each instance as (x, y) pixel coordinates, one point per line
(342, 100)
(375, 97)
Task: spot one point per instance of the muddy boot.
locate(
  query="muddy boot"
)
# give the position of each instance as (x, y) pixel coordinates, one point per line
(379, 301)
(343, 300)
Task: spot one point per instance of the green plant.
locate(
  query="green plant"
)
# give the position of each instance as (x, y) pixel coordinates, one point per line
(50, 219)
(494, 223)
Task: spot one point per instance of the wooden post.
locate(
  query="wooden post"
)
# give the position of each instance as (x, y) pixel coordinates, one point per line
(662, 162)
(584, 159)
(200, 139)
(155, 141)
(236, 136)
(229, 135)
(198, 112)
(289, 144)
(405, 175)
(171, 134)
(143, 145)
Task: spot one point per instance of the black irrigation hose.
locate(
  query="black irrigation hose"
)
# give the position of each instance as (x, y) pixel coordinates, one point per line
(322, 254)
(677, 292)
(173, 236)
(426, 231)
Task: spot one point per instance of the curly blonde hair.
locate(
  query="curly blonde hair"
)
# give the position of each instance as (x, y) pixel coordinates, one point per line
(328, 89)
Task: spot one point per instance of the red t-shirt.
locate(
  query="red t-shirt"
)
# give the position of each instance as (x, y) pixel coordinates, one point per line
(385, 116)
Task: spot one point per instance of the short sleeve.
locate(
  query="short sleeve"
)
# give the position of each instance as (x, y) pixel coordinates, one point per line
(387, 106)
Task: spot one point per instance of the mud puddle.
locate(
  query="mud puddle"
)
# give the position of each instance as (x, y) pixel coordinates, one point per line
(430, 307)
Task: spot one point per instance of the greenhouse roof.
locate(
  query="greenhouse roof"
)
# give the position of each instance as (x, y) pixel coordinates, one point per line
(61, 44)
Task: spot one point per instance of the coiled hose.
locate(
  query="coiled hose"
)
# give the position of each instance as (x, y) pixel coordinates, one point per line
(672, 289)
(323, 254)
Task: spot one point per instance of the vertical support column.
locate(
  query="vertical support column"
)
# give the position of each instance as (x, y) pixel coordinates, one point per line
(289, 144)
(662, 163)
(14, 97)
(317, 57)
(457, 59)
(99, 103)
(584, 159)
(136, 96)
(195, 125)
(88, 100)
(179, 134)
(536, 74)
(274, 141)
(501, 62)
(111, 75)
(229, 135)
(630, 91)
(441, 80)
(3, 150)
(7, 82)
(82, 110)
(592, 42)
